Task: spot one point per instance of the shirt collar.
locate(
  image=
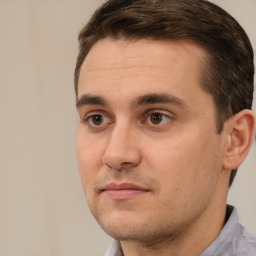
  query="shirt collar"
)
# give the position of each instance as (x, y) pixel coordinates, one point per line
(114, 249)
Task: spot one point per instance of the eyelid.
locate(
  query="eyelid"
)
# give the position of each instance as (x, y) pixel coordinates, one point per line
(169, 117)
(164, 113)
(91, 114)
(160, 111)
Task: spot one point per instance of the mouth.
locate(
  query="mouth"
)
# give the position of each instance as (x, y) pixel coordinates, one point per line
(124, 191)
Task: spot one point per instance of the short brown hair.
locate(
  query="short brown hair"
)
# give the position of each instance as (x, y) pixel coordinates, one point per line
(228, 73)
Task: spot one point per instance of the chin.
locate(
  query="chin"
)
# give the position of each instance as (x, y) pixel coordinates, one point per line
(144, 233)
(125, 232)
(121, 226)
(128, 226)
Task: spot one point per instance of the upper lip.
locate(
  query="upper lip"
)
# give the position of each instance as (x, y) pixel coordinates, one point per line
(123, 186)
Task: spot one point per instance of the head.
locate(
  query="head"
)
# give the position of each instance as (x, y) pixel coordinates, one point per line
(163, 89)
(228, 71)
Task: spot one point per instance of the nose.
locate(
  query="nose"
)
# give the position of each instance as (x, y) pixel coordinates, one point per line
(122, 151)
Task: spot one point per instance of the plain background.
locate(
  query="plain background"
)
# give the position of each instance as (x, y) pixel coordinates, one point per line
(43, 211)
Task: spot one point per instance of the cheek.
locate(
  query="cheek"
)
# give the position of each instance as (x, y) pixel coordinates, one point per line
(89, 149)
(185, 174)
(182, 162)
(89, 161)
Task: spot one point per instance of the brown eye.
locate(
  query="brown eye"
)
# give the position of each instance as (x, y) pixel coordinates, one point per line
(156, 118)
(97, 119)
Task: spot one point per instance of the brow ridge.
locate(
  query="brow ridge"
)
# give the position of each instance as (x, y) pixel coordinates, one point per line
(154, 98)
(147, 99)
(88, 99)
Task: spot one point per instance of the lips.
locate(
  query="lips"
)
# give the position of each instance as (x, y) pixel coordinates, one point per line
(124, 191)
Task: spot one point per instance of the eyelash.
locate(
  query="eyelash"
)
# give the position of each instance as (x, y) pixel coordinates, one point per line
(164, 118)
(89, 122)
(161, 114)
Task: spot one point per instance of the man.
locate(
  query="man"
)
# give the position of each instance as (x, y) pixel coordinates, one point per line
(164, 93)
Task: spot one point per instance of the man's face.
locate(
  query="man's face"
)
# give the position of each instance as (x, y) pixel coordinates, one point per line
(149, 156)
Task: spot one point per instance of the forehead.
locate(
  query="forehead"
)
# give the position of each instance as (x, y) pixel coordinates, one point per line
(116, 65)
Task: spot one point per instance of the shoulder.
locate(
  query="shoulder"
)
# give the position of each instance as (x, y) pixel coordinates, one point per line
(244, 244)
(234, 239)
(239, 243)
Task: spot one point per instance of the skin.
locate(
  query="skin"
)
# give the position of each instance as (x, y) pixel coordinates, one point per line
(145, 121)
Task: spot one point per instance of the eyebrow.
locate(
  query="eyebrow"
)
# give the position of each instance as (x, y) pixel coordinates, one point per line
(88, 99)
(147, 99)
(155, 98)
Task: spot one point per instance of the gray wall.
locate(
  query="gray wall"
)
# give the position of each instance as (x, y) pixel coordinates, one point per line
(43, 210)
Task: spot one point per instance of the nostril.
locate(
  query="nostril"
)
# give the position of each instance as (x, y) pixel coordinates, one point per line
(110, 167)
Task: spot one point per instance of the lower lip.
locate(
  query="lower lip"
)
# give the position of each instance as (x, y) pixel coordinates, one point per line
(124, 194)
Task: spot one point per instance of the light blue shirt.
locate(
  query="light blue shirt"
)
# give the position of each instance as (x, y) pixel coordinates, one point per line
(233, 240)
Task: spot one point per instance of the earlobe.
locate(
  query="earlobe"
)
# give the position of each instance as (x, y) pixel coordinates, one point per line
(241, 129)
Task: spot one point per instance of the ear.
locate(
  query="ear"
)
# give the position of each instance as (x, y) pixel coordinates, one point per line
(240, 131)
